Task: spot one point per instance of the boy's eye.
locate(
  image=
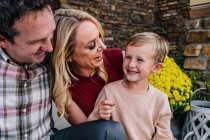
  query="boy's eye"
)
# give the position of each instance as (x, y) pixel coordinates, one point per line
(92, 45)
(139, 60)
(127, 57)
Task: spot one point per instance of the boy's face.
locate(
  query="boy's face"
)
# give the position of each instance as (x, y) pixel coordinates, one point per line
(34, 40)
(139, 63)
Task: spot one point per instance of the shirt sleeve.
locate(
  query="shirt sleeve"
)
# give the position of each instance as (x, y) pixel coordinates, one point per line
(163, 129)
(94, 115)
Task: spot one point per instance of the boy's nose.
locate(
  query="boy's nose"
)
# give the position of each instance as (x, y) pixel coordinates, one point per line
(132, 63)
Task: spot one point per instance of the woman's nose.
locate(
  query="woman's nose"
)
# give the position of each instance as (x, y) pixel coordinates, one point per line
(101, 44)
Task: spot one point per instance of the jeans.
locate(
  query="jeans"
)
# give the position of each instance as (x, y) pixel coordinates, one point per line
(92, 130)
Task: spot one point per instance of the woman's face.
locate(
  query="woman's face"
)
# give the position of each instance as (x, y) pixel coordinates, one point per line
(88, 50)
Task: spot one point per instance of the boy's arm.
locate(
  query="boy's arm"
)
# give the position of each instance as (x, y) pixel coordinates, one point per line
(105, 109)
(163, 128)
(102, 108)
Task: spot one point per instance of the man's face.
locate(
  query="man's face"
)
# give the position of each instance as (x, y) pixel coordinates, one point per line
(34, 40)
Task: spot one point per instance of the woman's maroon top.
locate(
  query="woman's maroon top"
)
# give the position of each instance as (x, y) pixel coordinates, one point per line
(86, 89)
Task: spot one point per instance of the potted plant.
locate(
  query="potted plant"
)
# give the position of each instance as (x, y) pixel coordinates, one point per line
(207, 82)
(176, 84)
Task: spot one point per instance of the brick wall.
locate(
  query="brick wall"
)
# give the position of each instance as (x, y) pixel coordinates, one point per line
(188, 30)
(197, 50)
(120, 19)
(171, 15)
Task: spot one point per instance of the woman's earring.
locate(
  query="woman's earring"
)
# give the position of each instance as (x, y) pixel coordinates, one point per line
(69, 58)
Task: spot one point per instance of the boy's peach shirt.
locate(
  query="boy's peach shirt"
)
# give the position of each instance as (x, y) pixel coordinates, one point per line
(144, 117)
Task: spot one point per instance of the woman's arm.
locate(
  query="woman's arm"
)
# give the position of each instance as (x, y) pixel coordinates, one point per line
(76, 115)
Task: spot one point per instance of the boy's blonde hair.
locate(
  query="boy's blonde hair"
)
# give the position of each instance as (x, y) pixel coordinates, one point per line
(160, 45)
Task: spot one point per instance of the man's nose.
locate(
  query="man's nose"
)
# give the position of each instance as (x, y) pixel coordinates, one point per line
(47, 45)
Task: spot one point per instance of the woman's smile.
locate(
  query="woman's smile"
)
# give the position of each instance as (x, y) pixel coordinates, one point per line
(99, 57)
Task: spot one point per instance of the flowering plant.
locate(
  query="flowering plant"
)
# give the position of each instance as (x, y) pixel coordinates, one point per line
(175, 83)
(207, 82)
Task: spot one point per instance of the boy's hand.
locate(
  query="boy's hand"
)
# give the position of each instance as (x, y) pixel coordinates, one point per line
(105, 109)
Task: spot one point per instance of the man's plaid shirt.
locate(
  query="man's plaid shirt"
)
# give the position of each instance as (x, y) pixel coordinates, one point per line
(25, 102)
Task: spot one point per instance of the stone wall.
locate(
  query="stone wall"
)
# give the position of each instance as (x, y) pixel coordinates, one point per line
(120, 19)
(186, 29)
(197, 50)
(171, 15)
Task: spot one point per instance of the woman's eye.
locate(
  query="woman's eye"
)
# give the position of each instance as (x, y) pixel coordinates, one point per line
(101, 39)
(92, 45)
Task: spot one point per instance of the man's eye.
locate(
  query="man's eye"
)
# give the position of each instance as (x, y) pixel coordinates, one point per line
(92, 45)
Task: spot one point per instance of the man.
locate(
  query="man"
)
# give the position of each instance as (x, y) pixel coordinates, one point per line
(26, 28)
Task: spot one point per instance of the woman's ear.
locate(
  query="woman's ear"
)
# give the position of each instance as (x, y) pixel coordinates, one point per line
(69, 59)
(157, 67)
(3, 42)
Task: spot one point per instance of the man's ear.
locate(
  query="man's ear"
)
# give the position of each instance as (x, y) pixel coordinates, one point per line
(157, 67)
(3, 42)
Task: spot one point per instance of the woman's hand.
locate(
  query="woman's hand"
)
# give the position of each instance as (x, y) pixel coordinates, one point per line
(105, 109)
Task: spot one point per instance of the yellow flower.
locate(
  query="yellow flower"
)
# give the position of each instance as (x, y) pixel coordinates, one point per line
(183, 98)
(187, 108)
(172, 101)
(175, 83)
(187, 96)
(169, 95)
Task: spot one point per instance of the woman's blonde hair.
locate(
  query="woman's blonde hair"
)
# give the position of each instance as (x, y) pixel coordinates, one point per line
(160, 45)
(64, 42)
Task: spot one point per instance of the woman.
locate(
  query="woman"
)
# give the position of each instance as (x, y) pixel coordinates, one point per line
(81, 64)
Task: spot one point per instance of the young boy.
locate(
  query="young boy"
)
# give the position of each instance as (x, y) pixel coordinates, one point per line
(143, 110)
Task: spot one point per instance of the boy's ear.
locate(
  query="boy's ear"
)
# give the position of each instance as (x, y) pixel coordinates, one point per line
(3, 42)
(157, 67)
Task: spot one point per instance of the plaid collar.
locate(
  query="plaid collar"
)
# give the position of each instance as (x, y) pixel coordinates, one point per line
(5, 57)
